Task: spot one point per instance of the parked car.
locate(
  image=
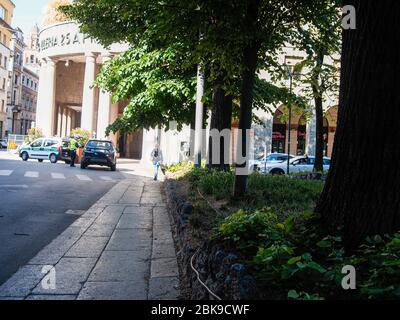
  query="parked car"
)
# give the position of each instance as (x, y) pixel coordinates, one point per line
(99, 152)
(297, 164)
(42, 149)
(260, 163)
(3, 144)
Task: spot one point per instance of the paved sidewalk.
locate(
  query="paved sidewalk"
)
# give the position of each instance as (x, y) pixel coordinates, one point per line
(121, 248)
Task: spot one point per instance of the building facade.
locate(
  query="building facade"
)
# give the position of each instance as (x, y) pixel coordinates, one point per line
(6, 31)
(14, 94)
(31, 53)
(30, 86)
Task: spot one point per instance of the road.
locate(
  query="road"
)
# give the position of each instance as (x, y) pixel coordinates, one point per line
(38, 201)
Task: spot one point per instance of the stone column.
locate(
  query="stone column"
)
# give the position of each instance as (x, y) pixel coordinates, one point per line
(89, 93)
(69, 121)
(113, 117)
(64, 122)
(46, 97)
(59, 121)
(104, 111)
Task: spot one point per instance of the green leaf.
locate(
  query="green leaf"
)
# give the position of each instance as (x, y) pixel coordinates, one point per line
(292, 294)
(294, 260)
(324, 244)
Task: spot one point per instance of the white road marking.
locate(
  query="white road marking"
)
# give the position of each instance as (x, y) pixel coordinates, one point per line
(32, 174)
(57, 175)
(83, 177)
(106, 178)
(6, 172)
(14, 186)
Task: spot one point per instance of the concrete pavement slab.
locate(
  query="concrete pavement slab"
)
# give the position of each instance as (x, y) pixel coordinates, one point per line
(88, 247)
(164, 267)
(131, 240)
(117, 266)
(22, 282)
(127, 290)
(164, 288)
(70, 274)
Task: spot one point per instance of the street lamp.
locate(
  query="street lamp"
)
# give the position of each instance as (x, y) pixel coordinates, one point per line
(290, 74)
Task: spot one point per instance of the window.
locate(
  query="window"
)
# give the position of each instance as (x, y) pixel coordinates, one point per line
(5, 62)
(37, 143)
(50, 143)
(16, 79)
(3, 12)
(23, 79)
(5, 40)
(4, 84)
(32, 59)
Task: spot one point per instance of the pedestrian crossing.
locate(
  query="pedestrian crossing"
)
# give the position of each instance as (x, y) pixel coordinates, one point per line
(57, 176)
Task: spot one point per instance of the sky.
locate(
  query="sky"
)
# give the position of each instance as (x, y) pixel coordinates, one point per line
(27, 13)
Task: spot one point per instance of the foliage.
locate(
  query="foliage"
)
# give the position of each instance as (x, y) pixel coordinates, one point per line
(284, 195)
(158, 89)
(297, 260)
(33, 134)
(82, 136)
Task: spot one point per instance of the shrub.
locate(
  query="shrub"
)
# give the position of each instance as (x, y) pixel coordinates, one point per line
(297, 260)
(82, 135)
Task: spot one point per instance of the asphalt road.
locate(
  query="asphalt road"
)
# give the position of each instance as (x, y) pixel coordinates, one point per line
(36, 200)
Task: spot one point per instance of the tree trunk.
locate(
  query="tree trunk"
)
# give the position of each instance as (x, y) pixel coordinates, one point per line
(319, 143)
(250, 59)
(362, 193)
(246, 113)
(319, 113)
(221, 119)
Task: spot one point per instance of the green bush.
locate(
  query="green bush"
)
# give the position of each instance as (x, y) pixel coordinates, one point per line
(82, 135)
(284, 195)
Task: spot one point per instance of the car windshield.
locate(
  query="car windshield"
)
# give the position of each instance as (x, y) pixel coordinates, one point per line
(99, 145)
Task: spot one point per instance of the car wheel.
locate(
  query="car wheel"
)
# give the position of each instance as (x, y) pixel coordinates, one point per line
(277, 172)
(40, 160)
(113, 167)
(25, 156)
(53, 158)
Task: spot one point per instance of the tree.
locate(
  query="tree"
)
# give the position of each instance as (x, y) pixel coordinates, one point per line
(157, 88)
(237, 37)
(320, 38)
(362, 195)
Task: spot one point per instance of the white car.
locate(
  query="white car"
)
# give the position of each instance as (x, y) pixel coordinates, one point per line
(42, 149)
(259, 165)
(297, 164)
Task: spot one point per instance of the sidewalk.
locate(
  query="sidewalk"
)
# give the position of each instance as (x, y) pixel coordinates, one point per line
(121, 248)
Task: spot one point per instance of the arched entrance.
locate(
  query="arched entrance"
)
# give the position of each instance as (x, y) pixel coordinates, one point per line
(278, 133)
(302, 136)
(326, 137)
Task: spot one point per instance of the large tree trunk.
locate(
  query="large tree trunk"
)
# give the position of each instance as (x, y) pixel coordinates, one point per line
(221, 119)
(362, 192)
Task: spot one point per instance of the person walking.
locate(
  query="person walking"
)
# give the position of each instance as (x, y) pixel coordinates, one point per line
(157, 159)
(73, 146)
